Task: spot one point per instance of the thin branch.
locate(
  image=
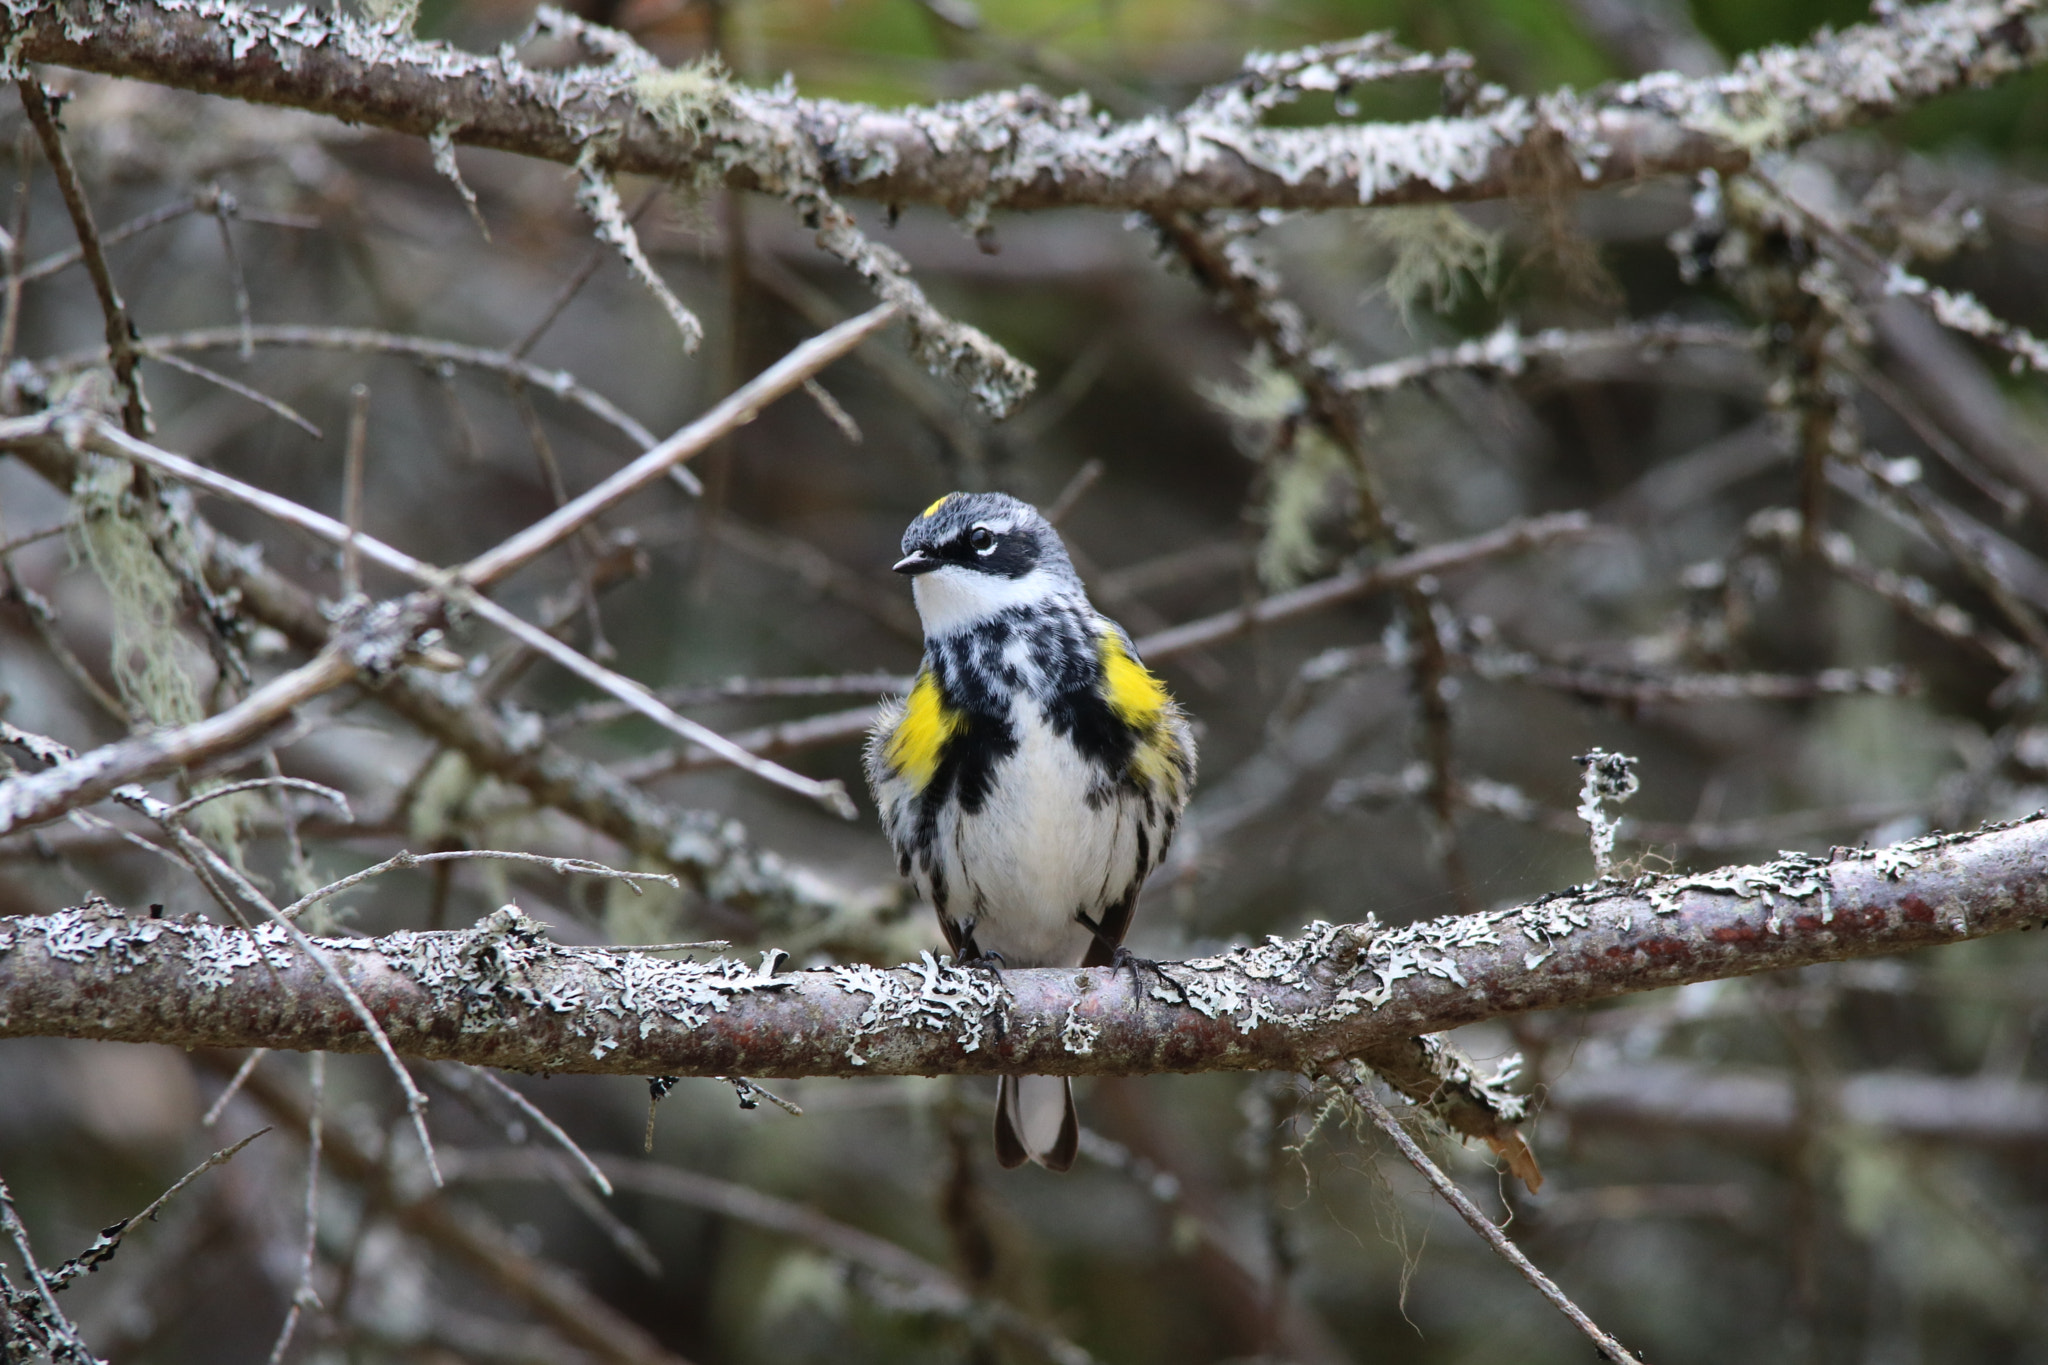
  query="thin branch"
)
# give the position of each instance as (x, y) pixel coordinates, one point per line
(365, 341)
(735, 410)
(233, 1087)
(547, 1125)
(402, 859)
(304, 1297)
(109, 1241)
(921, 1285)
(1512, 538)
(1337, 990)
(238, 388)
(107, 439)
(352, 463)
(50, 1329)
(30, 799)
(1358, 1086)
(1509, 351)
(121, 333)
(211, 199)
(737, 689)
(28, 538)
(573, 286)
(470, 1236)
(296, 783)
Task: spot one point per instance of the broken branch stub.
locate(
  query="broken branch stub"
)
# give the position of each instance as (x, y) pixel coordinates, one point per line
(502, 995)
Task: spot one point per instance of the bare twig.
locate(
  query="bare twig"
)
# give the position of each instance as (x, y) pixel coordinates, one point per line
(564, 866)
(573, 286)
(33, 798)
(737, 689)
(736, 410)
(121, 333)
(304, 1296)
(547, 1125)
(922, 1285)
(352, 490)
(473, 1238)
(237, 387)
(28, 538)
(109, 1241)
(1357, 1084)
(1512, 538)
(363, 341)
(233, 1087)
(50, 1329)
(296, 783)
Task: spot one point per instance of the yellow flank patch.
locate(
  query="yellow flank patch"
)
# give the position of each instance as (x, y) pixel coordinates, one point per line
(1156, 762)
(920, 737)
(933, 508)
(1138, 698)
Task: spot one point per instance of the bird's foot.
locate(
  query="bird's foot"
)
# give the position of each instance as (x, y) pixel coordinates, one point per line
(1123, 959)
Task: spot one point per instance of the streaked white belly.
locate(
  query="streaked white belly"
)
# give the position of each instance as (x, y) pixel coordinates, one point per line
(1037, 851)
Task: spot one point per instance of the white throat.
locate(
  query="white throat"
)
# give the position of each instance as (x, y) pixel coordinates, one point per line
(953, 599)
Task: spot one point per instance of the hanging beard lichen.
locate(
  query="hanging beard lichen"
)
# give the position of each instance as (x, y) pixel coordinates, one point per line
(1434, 254)
(148, 653)
(1310, 484)
(152, 663)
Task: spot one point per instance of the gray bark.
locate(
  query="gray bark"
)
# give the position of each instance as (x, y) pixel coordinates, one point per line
(501, 995)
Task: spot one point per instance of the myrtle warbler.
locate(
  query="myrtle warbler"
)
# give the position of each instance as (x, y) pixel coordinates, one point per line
(1033, 776)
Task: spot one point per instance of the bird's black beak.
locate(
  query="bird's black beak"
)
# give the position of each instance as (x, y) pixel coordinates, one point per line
(917, 562)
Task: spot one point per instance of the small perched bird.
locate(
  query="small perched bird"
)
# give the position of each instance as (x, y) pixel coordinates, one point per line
(1034, 775)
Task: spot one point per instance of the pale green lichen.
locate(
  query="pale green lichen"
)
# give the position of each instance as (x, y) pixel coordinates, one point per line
(686, 100)
(395, 17)
(148, 654)
(1435, 255)
(154, 666)
(1307, 474)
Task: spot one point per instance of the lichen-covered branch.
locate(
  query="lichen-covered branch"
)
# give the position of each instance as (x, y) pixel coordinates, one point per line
(501, 994)
(1023, 149)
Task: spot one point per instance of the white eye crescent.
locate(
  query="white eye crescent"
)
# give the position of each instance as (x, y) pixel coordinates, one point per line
(982, 539)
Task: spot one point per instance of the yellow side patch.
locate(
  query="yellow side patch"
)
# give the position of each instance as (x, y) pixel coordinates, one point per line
(934, 507)
(920, 737)
(1138, 698)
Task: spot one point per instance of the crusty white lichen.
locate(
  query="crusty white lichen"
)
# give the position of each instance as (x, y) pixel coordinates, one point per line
(1794, 876)
(598, 197)
(1961, 311)
(1608, 778)
(1078, 1035)
(942, 997)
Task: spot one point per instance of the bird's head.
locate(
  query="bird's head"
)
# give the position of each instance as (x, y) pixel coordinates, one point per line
(977, 555)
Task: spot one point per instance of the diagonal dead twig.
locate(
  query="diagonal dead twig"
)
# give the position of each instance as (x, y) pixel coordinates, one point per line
(1358, 1087)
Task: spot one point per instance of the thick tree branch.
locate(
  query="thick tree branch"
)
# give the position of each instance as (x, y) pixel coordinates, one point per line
(502, 995)
(1024, 149)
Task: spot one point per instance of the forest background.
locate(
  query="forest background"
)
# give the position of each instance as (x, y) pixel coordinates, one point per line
(1806, 596)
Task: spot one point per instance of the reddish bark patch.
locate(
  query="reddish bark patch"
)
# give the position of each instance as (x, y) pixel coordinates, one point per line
(1917, 910)
(1742, 931)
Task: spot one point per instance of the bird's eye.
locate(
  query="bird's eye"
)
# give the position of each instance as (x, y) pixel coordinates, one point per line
(982, 539)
